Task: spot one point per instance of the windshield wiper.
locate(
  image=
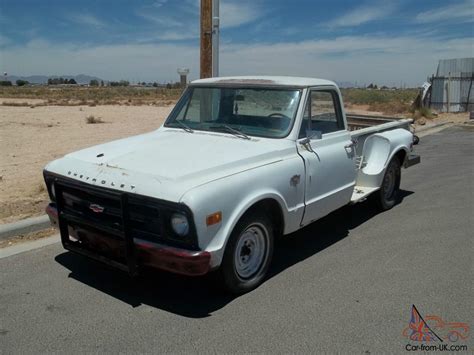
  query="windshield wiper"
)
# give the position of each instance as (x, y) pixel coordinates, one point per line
(184, 126)
(232, 130)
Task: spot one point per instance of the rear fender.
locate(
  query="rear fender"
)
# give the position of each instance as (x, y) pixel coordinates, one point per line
(378, 150)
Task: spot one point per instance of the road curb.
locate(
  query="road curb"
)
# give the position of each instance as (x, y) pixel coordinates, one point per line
(29, 225)
(427, 128)
(28, 245)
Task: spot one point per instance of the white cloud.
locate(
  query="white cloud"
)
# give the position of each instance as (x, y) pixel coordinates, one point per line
(365, 59)
(159, 3)
(363, 14)
(161, 19)
(88, 20)
(232, 14)
(462, 11)
(175, 36)
(235, 14)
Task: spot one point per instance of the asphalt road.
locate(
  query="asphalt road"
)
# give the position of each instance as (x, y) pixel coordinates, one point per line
(344, 284)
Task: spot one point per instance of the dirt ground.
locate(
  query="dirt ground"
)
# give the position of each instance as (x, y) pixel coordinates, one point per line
(31, 137)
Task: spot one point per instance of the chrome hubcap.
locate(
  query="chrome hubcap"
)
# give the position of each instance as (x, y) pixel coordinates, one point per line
(251, 251)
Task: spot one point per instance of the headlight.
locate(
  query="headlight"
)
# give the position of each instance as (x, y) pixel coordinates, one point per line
(180, 224)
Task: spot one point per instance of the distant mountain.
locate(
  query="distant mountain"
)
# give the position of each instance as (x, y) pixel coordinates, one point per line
(43, 79)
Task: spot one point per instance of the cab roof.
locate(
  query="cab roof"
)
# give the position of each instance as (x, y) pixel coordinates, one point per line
(291, 81)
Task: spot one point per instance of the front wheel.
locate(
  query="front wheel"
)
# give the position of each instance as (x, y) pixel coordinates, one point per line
(386, 197)
(248, 253)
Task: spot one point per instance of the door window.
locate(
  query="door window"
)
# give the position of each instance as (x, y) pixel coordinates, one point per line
(322, 113)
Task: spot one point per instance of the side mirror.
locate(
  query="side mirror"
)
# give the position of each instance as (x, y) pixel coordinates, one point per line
(311, 135)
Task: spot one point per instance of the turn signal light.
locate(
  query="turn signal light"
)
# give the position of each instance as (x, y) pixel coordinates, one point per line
(214, 218)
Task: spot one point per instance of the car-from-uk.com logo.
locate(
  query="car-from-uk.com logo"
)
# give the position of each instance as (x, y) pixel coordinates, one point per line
(432, 333)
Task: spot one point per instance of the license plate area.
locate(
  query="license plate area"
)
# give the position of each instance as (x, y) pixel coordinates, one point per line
(105, 245)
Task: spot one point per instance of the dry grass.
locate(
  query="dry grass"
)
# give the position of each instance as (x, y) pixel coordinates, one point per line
(93, 120)
(391, 107)
(91, 96)
(389, 102)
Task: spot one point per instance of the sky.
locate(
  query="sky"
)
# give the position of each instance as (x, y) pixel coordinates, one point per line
(384, 42)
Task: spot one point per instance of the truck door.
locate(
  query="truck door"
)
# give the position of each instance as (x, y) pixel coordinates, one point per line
(328, 154)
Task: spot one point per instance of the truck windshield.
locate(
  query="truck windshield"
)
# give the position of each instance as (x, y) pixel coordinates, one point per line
(262, 112)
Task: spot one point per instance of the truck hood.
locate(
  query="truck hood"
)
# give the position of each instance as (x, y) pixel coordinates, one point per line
(168, 162)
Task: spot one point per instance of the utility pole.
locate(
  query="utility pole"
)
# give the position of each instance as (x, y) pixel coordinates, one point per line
(206, 38)
(215, 38)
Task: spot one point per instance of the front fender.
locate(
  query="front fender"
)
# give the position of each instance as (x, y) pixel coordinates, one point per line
(234, 195)
(218, 242)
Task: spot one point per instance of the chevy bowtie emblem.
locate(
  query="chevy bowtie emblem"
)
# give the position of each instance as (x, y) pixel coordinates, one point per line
(96, 208)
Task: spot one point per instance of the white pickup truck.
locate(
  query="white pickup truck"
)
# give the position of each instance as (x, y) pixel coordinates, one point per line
(238, 162)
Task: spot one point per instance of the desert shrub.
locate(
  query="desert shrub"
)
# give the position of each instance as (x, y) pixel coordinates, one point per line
(423, 112)
(93, 120)
(119, 83)
(5, 83)
(426, 112)
(20, 82)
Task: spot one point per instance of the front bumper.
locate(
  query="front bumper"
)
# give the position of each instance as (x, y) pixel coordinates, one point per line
(107, 250)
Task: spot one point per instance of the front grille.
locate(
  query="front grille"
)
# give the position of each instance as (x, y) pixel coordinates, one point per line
(144, 218)
(125, 215)
(92, 206)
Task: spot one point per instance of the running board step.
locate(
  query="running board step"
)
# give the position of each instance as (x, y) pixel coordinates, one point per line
(361, 193)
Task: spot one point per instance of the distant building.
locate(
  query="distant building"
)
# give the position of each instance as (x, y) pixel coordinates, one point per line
(451, 87)
(183, 76)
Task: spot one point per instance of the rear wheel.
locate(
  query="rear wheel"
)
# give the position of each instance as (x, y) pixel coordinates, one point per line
(248, 253)
(387, 196)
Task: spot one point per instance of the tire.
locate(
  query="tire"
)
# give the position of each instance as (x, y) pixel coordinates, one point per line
(248, 253)
(387, 196)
